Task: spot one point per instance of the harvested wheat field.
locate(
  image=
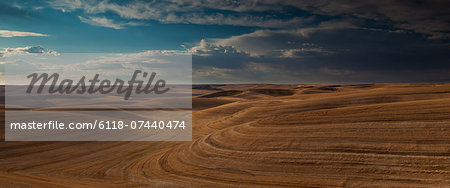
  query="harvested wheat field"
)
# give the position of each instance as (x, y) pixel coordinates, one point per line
(388, 135)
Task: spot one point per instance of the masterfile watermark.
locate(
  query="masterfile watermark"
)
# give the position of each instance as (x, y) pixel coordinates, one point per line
(89, 81)
(96, 85)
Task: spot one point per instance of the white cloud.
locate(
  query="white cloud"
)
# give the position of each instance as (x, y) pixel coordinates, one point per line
(34, 50)
(101, 22)
(36, 8)
(275, 43)
(303, 52)
(105, 22)
(178, 12)
(8, 33)
(208, 48)
(145, 57)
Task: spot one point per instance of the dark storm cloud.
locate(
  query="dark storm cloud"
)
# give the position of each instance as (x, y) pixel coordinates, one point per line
(428, 17)
(358, 49)
(330, 54)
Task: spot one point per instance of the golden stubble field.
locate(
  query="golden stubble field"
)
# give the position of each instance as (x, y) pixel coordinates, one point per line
(389, 135)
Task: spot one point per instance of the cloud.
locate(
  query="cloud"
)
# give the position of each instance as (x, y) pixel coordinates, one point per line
(101, 22)
(188, 12)
(275, 42)
(330, 52)
(304, 52)
(105, 22)
(425, 17)
(173, 66)
(311, 40)
(235, 20)
(152, 58)
(208, 53)
(207, 48)
(34, 50)
(8, 33)
(36, 8)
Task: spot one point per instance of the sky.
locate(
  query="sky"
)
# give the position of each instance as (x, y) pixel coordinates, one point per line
(254, 41)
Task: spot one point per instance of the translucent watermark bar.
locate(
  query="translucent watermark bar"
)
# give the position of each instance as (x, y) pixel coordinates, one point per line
(150, 88)
(98, 126)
